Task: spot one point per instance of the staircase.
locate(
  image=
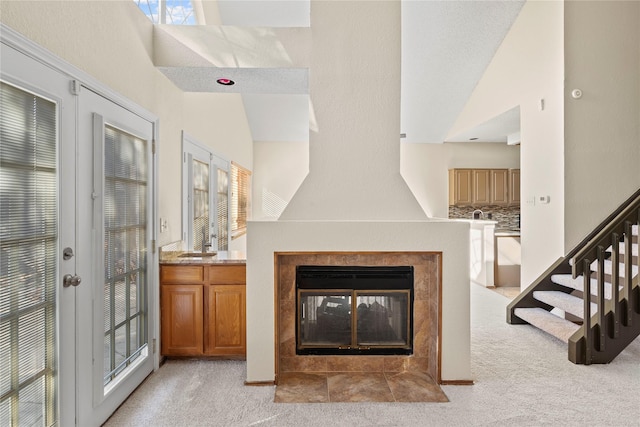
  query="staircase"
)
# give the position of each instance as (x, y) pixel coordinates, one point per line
(598, 326)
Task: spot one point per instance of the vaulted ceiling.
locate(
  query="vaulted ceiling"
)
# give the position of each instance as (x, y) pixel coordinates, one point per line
(446, 47)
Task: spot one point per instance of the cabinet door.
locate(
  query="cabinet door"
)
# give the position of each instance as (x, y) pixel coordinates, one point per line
(460, 187)
(181, 320)
(481, 194)
(499, 186)
(226, 320)
(514, 185)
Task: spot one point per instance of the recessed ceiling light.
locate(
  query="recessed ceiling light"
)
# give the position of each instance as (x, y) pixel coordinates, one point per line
(225, 82)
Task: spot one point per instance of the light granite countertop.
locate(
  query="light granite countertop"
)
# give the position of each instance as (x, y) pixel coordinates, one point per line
(221, 257)
(507, 233)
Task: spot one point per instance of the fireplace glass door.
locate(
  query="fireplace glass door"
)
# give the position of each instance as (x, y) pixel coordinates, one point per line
(354, 322)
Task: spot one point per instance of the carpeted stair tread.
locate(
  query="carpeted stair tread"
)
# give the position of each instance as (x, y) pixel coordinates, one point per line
(634, 249)
(608, 266)
(550, 323)
(567, 281)
(564, 301)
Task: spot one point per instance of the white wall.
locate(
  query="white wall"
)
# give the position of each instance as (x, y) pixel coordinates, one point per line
(278, 170)
(528, 67)
(112, 41)
(602, 129)
(425, 168)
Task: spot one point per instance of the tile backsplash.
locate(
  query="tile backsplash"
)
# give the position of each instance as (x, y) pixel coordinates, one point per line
(507, 216)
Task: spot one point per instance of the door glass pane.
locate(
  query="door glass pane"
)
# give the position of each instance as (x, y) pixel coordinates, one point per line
(223, 209)
(324, 318)
(28, 258)
(200, 205)
(125, 234)
(382, 318)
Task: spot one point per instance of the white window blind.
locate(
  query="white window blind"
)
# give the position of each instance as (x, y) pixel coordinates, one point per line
(240, 199)
(223, 209)
(200, 205)
(125, 261)
(28, 258)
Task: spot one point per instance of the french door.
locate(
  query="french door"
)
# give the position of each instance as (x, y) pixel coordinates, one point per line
(115, 316)
(37, 226)
(76, 218)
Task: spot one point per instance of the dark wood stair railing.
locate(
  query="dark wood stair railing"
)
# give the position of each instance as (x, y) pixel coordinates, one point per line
(617, 321)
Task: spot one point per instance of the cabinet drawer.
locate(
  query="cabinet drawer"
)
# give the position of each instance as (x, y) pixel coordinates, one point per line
(181, 274)
(227, 274)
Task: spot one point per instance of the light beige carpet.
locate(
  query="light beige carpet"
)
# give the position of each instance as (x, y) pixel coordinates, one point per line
(522, 378)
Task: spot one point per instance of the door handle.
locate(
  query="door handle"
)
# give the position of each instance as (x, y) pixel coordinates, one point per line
(71, 280)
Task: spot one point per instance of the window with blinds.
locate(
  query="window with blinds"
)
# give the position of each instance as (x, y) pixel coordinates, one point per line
(28, 258)
(223, 209)
(125, 261)
(200, 205)
(240, 199)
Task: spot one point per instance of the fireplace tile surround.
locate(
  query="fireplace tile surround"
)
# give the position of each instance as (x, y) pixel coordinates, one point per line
(427, 302)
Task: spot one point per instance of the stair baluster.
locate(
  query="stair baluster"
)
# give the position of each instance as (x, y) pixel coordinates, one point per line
(628, 236)
(615, 282)
(601, 308)
(586, 324)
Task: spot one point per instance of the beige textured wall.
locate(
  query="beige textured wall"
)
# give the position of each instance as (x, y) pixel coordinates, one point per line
(279, 168)
(112, 41)
(602, 129)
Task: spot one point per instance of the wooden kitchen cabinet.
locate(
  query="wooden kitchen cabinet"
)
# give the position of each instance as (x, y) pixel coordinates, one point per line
(514, 185)
(181, 322)
(226, 331)
(481, 181)
(203, 310)
(482, 187)
(460, 187)
(499, 186)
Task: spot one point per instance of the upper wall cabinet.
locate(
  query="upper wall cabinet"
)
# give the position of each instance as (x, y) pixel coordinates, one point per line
(514, 185)
(477, 187)
(499, 186)
(481, 184)
(460, 186)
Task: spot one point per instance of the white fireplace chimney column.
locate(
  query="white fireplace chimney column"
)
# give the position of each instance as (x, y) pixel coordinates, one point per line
(354, 156)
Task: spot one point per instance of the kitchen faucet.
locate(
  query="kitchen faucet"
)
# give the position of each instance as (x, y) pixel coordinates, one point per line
(478, 214)
(205, 245)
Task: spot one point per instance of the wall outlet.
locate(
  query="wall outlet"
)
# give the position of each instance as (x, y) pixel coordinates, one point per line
(544, 199)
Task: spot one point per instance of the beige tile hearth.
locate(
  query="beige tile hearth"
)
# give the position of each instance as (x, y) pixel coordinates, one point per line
(301, 387)
(358, 387)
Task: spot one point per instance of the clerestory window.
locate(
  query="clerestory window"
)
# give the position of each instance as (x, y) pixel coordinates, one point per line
(174, 12)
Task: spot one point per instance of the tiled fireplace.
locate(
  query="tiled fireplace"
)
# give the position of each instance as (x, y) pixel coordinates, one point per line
(426, 314)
